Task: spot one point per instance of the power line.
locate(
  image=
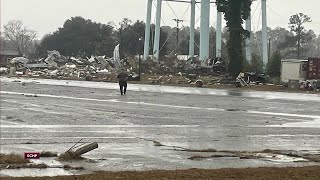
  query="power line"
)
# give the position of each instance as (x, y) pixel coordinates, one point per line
(172, 10)
(155, 5)
(177, 21)
(271, 9)
(185, 12)
(180, 21)
(256, 8)
(177, 18)
(255, 29)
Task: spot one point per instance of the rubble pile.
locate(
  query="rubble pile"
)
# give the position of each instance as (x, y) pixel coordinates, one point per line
(102, 68)
(3, 70)
(169, 70)
(56, 65)
(168, 79)
(312, 85)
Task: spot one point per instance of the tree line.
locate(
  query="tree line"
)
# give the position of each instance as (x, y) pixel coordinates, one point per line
(80, 37)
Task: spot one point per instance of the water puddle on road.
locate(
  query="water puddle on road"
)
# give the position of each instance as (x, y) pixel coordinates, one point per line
(178, 90)
(275, 156)
(55, 168)
(37, 172)
(279, 158)
(305, 124)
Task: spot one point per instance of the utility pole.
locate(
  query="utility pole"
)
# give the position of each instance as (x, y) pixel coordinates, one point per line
(177, 21)
(156, 44)
(204, 30)
(192, 25)
(218, 34)
(121, 45)
(264, 32)
(147, 31)
(248, 40)
(139, 42)
(269, 50)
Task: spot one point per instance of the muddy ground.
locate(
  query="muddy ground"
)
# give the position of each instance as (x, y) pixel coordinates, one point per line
(288, 173)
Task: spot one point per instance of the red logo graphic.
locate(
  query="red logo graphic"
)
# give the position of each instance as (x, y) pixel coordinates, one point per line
(32, 155)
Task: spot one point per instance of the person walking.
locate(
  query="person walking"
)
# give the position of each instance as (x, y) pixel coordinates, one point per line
(123, 78)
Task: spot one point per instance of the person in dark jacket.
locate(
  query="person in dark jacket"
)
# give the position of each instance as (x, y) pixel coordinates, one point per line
(123, 78)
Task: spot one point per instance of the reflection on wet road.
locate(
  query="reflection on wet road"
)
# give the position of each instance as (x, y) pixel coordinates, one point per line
(172, 89)
(55, 114)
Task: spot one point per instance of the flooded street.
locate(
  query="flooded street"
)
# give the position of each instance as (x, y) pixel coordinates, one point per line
(159, 127)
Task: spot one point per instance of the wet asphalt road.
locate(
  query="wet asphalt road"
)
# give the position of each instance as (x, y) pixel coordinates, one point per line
(63, 112)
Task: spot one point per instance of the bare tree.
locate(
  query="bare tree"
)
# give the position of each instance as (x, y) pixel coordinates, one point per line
(20, 36)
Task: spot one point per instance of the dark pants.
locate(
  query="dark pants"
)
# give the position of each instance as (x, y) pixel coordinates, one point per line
(123, 87)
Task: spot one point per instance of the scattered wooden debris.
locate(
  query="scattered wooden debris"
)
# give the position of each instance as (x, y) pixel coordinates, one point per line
(48, 154)
(72, 154)
(86, 148)
(69, 155)
(20, 166)
(156, 143)
(211, 156)
(68, 167)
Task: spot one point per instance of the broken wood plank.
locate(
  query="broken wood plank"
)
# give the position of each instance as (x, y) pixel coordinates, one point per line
(86, 148)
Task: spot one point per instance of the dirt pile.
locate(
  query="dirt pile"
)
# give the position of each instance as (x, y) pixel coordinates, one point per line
(288, 173)
(7, 159)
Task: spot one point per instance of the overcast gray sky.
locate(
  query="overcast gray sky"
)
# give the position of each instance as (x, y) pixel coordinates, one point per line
(45, 16)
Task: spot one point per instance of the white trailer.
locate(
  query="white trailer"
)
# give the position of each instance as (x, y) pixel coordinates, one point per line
(293, 69)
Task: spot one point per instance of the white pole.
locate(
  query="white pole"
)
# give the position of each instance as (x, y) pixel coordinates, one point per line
(204, 30)
(192, 26)
(264, 33)
(147, 31)
(248, 41)
(157, 32)
(218, 34)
